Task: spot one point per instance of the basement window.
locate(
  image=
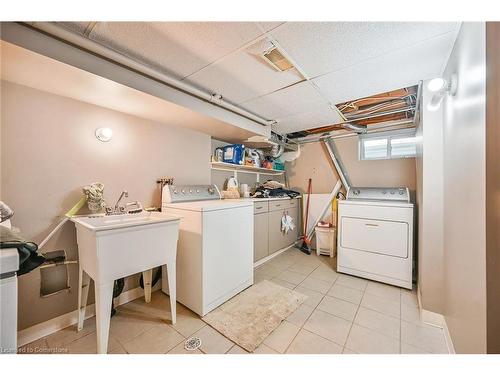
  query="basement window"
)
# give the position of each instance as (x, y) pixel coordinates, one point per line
(390, 145)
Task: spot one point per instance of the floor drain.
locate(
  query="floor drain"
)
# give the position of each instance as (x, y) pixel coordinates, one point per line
(192, 343)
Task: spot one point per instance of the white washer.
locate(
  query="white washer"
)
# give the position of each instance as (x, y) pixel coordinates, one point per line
(215, 248)
(375, 235)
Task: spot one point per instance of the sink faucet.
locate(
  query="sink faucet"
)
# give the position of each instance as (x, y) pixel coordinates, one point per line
(117, 209)
(123, 194)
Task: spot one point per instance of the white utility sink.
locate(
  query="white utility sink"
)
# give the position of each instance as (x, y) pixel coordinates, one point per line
(116, 246)
(101, 222)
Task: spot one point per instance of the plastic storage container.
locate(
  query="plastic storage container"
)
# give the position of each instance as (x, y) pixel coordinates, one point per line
(278, 165)
(234, 154)
(326, 241)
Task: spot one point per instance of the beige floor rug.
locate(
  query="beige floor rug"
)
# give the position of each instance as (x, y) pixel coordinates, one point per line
(248, 318)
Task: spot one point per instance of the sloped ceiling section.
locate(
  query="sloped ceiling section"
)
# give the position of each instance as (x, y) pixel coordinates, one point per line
(334, 62)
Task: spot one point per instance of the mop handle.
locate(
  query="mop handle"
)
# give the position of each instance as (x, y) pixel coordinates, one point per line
(309, 191)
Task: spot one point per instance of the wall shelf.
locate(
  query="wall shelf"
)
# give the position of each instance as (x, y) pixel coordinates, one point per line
(221, 166)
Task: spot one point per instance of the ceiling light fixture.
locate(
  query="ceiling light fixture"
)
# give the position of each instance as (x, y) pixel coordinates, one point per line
(441, 87)
(104, 134)
(274, 57)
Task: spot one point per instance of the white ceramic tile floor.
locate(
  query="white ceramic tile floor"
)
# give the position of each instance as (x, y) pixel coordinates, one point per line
(343, 314)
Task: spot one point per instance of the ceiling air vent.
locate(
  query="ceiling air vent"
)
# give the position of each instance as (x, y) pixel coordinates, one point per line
(277, 60)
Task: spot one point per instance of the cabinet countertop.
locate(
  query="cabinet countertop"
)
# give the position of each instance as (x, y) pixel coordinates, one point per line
(255, 200)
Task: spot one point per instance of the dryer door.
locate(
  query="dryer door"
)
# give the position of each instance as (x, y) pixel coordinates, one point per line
(376, 236)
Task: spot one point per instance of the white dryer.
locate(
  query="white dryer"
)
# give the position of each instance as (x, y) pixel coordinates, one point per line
(375, 235)
(215, 248)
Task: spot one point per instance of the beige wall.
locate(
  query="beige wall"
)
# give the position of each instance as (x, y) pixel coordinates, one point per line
(48, 152)
(464, 193)
(493, 185)
(315, 163)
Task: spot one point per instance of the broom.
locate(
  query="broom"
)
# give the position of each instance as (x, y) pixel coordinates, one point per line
(304, 247)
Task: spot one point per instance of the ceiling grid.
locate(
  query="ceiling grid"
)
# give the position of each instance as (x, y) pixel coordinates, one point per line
(334, 61)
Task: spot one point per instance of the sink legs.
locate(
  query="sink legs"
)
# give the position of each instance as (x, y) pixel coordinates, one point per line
(103, 298)
(172, 288)
(83, 292)
(147, 277)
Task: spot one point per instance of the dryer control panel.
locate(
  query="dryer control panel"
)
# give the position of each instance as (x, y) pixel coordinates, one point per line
(189, 193)
(399, 194)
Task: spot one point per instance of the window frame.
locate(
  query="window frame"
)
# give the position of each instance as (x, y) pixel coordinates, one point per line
(389, 135)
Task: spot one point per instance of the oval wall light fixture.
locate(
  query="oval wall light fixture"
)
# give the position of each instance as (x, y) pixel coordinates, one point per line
(441, 87)
(437, 84)
(104, 134)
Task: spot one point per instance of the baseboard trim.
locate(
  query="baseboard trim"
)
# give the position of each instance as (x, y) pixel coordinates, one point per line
(436, 320)
(58, 323)
(269, 257)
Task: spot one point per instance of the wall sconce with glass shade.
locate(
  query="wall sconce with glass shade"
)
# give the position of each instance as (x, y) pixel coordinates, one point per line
(104, 134)
(441, 87)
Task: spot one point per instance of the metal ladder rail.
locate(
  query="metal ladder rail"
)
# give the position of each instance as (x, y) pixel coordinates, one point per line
(337, 162)
(344, 180)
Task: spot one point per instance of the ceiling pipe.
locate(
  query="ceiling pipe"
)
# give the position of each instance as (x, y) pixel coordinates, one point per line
(358, 129)
(98, 49)
(375, 115)
(379, 129)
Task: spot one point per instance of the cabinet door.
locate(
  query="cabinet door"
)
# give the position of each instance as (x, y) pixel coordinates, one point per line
(292, 236)
(261, 236)
(277, 239)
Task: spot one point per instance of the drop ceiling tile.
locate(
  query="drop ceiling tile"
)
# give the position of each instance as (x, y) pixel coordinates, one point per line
(393, 71)
(322, 47)
(267, 26)
(243, 75)
(177, 48)
(320, 116)
(299, 98)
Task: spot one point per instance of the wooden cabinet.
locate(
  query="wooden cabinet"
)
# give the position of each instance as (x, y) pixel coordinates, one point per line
(261, 236)
(268, 236)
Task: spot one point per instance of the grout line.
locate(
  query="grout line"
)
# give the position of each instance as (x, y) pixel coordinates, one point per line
(288, 346)
(305, 321)
(353, 319)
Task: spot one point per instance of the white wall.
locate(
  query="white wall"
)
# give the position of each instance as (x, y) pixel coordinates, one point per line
(429, 166)
(465, 193)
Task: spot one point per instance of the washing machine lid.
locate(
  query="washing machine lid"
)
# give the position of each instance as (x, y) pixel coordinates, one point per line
(211, 205)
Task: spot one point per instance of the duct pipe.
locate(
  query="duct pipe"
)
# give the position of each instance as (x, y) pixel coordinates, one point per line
(379, 114)
(98, 49)
(393, 126)
(359, 129)
(339, 166)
